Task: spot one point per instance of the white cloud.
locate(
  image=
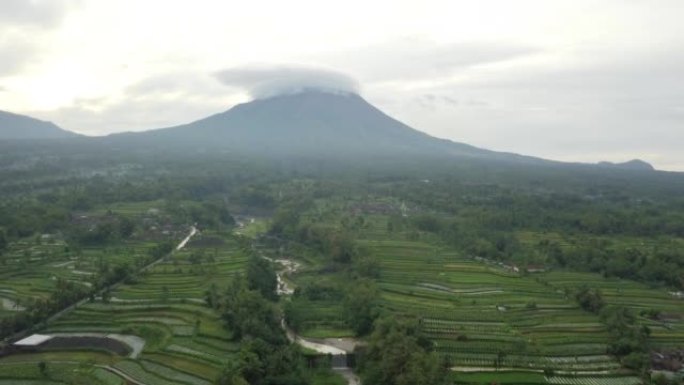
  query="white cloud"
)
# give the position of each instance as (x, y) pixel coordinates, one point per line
(267, 81)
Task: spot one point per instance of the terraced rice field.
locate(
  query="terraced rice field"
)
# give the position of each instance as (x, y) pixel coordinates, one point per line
(57, 374)
(24, 279)
(32, 266)
(479, 313)
(185, 341)
(476, 312)
(666, 332)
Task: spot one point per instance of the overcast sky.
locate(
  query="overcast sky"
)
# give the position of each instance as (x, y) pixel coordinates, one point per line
(569, 80)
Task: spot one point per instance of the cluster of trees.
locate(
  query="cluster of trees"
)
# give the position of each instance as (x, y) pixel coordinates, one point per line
(335, 243)
(590, 299)
(319, 290)
(262, 278)
(66, 293)
(3, 241)
(337, 249)
(581, 208)
(397, 353)
(486, 220)
(108, 275)
(361, 306)
(112, 228)
(663, 265)
(209, 214)
(248, 314)
(629, 339)
(266, 356)
(23, 218)
(160, 249)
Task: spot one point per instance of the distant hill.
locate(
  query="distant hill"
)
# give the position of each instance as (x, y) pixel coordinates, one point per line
(14, 126)
(635, 164)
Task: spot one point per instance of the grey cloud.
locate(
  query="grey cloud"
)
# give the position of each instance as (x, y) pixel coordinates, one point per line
(476, 103)
(15, 52)
(642, 92)
(172, 82)
(616, 105)
(22, 23)
(99, 117)
(432, 101)
(159, 101)
(417, 58)
(267, 81)
(657, 72)
(182, 86)
(178, 97)
(34, 12)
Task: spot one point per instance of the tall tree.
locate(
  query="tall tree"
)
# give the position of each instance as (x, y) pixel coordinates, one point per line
(361, 305)
(3, 240)
(262, 277)
(398, 354)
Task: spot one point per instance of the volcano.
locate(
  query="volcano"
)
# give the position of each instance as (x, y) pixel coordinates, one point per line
(310, 123)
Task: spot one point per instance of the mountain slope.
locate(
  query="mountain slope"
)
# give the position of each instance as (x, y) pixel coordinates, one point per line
(13, 126)
(310, 123)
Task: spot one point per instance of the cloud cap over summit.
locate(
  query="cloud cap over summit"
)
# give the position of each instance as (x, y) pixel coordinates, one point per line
(262, 82)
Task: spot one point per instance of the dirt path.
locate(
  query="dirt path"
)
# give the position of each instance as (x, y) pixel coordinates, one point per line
(348, 374)
(315, 346)
(185, 241)
(143, 301)
(121, 374)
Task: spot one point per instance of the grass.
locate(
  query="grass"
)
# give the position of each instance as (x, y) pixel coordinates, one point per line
(253, 228)
(326, 377)
(56, 373)
(63, 356)
(518, 378)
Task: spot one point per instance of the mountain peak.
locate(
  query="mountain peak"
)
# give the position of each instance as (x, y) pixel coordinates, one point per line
(634, 164)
